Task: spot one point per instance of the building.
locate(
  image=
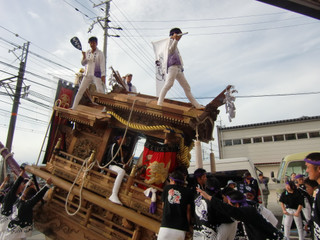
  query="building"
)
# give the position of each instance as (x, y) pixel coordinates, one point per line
(267, 143)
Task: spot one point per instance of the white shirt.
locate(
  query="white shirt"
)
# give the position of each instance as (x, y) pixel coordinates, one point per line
(95, 63)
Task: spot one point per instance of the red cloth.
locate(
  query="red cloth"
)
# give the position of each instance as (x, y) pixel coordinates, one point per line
(150, 157)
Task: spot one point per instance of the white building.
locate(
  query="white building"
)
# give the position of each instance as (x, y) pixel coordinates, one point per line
(267, 143)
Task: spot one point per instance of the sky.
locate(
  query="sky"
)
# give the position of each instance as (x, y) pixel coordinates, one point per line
(262, 50)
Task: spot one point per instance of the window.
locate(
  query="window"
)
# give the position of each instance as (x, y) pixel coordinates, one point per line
(314, 134)
(236, 141)
(257, 139)
(227, 142)
(278, 138)
(267, 139)
(246, 140)
(302, 135)
(290, 136)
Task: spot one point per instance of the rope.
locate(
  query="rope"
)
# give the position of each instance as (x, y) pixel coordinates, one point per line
(142, 127)
(123, 137)
(7, 156)
(86, 171)
(2, 149)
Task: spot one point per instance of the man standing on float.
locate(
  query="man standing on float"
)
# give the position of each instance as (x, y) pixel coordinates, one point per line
(94, 61)
(175, 69)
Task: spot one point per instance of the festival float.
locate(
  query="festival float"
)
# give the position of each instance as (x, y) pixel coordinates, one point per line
(77, 207)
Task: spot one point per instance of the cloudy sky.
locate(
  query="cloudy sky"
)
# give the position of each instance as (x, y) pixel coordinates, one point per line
(260, 49)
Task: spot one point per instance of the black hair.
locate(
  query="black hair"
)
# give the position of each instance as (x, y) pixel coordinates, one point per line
(175, 30)
(182, 169)
(93, 39)
(237, 196)
(311, 183)
(199, 172)
(30, 192)
(213, 187)
(178, 177)
(292, 185)
(246, 174)
(315, 156)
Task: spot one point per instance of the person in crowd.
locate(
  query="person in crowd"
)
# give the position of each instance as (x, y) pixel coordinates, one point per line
(249, 183)
(256, 227)
(291, 203)
(116, 160)
(9, 199)
(21, 226)
(313, 169)
(265, 212)
(128, 83)
(299, 180)
(264, 187)
(208, 222)
(177, 201)
(175, 70)
(311, 187)
(4, 188)
(95, 70)
(231, 184)
(200, 176)
(293, 176)
(306, 209)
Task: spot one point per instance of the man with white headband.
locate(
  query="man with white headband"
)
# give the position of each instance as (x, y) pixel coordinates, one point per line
(313, 168)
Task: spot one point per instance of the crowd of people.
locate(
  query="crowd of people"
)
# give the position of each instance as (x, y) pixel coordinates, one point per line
(17, 202)
(207, 211)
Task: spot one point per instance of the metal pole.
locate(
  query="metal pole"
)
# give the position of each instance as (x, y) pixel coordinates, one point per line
(106, 27)
(16, 102)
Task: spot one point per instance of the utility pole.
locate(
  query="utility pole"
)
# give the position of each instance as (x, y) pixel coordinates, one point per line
(16, 100)
(104, 23)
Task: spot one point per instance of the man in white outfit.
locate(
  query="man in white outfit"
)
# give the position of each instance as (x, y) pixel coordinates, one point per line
(175, 70)
(94, 61)
(128, 83)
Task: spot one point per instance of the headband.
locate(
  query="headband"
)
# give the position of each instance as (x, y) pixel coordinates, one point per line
(243, 201)
(312, 162)
(176, 180)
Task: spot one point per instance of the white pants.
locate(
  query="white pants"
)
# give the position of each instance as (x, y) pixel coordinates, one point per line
(120, 174)
(171, 234)
(287, 221)
(227, 231)
(175, 72)
(86, 81)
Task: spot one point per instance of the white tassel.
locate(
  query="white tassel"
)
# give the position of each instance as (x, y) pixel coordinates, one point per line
(197, 147)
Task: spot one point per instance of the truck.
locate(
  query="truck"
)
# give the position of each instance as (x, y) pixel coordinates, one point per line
(292, 163)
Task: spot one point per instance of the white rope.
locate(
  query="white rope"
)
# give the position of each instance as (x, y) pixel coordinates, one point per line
(2, 149)
(86, 171)
(123, 137)
(88, 168)
(7, 156)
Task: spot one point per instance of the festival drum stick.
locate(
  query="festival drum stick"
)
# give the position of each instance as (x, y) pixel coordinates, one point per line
(181, 34)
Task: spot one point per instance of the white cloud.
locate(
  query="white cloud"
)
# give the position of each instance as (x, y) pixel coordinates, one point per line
(33, 15)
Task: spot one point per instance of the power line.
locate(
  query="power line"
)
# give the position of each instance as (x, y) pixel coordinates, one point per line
(210, 19)
(263, 95)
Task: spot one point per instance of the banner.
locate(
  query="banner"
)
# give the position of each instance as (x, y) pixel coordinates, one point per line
(161, 53)
(65, 93)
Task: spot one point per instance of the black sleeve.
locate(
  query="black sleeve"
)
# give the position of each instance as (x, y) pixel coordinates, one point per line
(39, 195)
(282, 198)
(227, 209)
(15, 186)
